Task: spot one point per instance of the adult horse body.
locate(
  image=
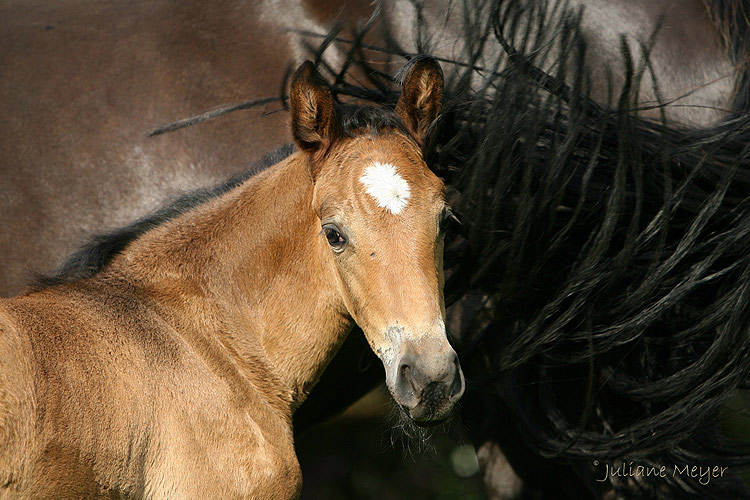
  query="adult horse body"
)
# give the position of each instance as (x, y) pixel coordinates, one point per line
(82, 84)
(694, 51)
(84, 81)
(173, 372)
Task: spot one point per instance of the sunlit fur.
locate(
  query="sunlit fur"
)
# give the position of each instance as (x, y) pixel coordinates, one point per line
(173, 370)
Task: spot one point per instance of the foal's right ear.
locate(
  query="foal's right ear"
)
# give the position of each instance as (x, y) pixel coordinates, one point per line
(314, 122)
(421, 97)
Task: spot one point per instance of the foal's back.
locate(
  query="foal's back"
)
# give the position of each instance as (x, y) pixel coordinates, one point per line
(99, 394)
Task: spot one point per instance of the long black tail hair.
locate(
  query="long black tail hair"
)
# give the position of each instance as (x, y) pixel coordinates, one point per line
(611, 253)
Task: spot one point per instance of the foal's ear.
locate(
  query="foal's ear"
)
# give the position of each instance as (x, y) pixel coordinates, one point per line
(314, 121)
(421, 97)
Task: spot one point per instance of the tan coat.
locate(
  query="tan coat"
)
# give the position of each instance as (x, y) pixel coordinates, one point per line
(173, 373)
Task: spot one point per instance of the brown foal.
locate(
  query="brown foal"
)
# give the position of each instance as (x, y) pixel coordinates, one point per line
(173, 372)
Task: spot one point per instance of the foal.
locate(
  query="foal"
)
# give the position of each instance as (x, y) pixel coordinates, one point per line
(173, 372)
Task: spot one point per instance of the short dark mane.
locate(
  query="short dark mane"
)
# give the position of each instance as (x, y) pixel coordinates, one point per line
(95, 254)
(375, 120)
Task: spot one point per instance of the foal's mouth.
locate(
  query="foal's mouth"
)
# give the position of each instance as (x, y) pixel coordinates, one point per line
(435, 401)
(426, 423)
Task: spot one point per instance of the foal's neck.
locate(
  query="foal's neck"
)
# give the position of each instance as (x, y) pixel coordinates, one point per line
(249, 270)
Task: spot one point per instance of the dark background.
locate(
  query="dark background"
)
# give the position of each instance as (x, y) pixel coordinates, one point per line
(363, 454)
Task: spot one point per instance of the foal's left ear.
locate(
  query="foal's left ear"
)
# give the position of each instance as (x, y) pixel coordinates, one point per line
(421, 97)
(314, 121)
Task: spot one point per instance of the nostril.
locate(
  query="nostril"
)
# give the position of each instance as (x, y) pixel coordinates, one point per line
(457, 388)
(405, 382)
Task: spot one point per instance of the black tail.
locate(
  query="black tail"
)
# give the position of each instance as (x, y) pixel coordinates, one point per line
(614, 250)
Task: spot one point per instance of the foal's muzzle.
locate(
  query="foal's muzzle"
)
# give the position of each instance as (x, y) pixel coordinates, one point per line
(427, 385)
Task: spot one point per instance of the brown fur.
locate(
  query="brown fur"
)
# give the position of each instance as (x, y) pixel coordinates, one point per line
(421, 99)
(174, 372)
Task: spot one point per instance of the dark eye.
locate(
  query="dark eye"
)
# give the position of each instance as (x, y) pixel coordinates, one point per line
(448, 221)
(334, 237)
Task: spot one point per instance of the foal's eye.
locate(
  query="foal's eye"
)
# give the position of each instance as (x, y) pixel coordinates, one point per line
(334, 237)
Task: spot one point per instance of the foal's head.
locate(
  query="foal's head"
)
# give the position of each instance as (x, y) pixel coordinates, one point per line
(380, 211)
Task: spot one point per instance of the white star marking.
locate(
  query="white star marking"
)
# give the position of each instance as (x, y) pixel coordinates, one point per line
(389, 189)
